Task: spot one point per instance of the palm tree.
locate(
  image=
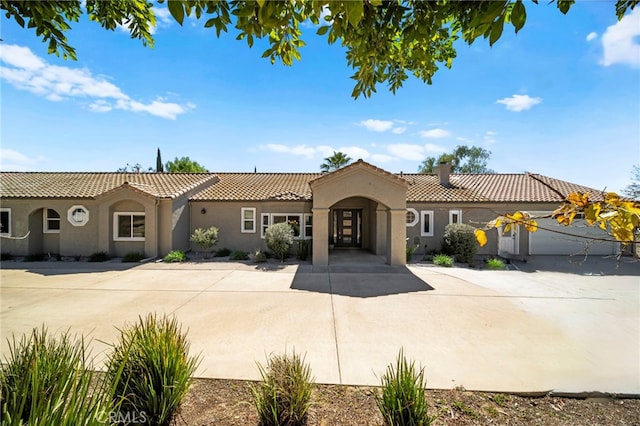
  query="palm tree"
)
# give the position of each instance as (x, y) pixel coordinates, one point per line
(337, 160)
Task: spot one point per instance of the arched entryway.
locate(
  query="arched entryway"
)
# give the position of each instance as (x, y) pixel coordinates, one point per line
(359, 206)
(44, 231)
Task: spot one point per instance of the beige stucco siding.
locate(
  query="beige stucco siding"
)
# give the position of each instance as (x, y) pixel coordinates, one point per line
(475, 215)
(227, 217)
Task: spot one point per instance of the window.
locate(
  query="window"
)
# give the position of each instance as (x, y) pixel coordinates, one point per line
(455, 216)
(308, 226)
(51, 220)
(128, 226)
(412, 217)
(5, 221)
(248, 220)
(301, 229)
(426, 229)
(78, 215)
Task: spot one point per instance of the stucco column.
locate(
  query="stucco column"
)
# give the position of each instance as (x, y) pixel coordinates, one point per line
(320, 236)
(381, 231)
(397, 237)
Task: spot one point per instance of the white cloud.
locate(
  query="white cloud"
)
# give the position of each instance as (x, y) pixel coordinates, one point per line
(592, 36)
(16, 161)
(619, 41)
(488, 137)
(381, 158)
(519, 102)
(355, 152)
(377, 125)
(434, 133)
(413, 152)
(398, 130)
(298, 150)
(26, 71)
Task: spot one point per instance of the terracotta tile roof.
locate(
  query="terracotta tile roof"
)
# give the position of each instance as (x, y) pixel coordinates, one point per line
(492, 188)
(90, 185)
(360, 163)
(259, 187)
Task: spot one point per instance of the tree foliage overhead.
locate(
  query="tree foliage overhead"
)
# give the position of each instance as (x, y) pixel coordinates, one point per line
(334, 162)
(463, 159)
(385, 41)
(184, 165)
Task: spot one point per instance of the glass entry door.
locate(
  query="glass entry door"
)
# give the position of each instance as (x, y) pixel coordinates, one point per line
(347, 227)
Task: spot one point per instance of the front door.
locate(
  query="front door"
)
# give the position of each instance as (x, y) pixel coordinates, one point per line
(509, 242)
(347, 227)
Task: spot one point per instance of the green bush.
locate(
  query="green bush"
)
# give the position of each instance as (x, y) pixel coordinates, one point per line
(99, 256)
(132, 257)
(238, 255)
(496, 264)
(403, 400)
(302, 249)
(284, 395)
(206, 238)
(460, 241)
(151, 369)
(49, 381)
(279, 238)
(410, 250)
(259, 256)
(443, 260)
(175, 256)
(223, 252)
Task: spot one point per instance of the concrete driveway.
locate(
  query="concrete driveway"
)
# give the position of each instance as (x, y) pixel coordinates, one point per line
(535, 330)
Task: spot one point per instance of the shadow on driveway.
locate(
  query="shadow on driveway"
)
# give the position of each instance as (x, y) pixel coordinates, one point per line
(359, 280)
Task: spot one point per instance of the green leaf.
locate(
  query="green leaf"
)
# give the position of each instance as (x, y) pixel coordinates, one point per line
(210, 23)
(323, 30)
(518, 15)
(355, 11)
(565, 5)
(496, 31)
(261, 2)
(176, 10)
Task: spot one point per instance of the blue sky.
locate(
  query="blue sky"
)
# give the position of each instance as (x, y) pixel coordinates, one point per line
(561, 98)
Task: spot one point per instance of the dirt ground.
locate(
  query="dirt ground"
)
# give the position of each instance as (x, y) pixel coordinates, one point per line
(229, 402)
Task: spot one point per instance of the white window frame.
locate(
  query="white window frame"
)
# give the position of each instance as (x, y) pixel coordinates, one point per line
(7, 210)
(116, 215)
(301, 221)
(251, 230)
(46, 219)
(424, 216)
(304, 225)
(416, 217)
(80, 220)
(454, 212)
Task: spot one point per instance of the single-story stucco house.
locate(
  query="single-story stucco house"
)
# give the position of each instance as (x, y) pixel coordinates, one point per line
(358, 206)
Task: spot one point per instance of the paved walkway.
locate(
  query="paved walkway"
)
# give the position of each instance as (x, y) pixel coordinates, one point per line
(495, 331)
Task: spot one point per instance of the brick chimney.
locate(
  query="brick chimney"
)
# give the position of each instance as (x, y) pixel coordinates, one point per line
(443, 170)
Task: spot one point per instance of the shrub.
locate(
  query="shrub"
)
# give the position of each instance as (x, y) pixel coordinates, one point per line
(302, 249)
(460, 241)
(403, 400)
(279, 238)
(206, 238)
(99, 256)
(6, 256)
(132, 257)
(259, 256)
(47, 381)
(156, 370)
(410, 250)
(443, 260)
(496, 264)
(284, 395)
(175, 256)
(222, 252)
(238, 255)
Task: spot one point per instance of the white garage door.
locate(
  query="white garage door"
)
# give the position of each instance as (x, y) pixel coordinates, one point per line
(548, 242)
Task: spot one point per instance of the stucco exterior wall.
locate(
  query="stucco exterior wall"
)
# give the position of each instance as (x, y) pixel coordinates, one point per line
(227, 217)
(475, 215)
